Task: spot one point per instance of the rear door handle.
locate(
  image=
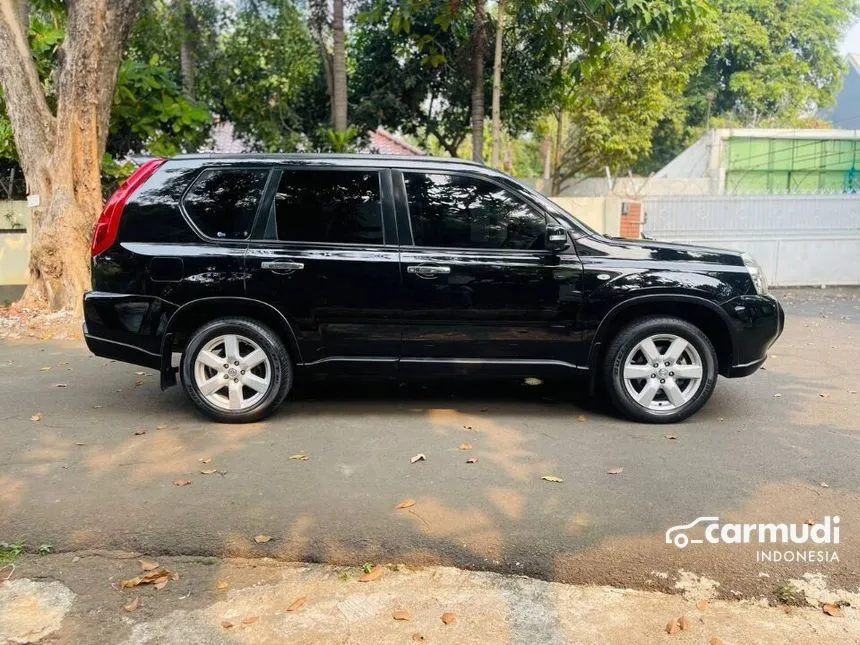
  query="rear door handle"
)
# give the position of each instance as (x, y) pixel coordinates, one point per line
(280, 265)
(427, 269)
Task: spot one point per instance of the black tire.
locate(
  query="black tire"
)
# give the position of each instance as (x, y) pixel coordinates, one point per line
(628, 339)
(279, 364)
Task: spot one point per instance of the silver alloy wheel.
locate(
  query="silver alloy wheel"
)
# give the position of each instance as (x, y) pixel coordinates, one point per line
(663, 372)
(232, 372)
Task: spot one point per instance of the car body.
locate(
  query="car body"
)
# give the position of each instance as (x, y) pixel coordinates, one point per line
(368, 265)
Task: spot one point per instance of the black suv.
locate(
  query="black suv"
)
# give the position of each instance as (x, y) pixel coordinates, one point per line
(260, 268)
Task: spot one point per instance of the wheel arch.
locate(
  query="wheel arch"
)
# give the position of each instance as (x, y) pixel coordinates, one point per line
(193, 315)
(705, 314)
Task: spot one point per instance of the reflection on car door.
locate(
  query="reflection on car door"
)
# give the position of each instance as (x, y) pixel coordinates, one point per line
(329, 261)
(480, 289)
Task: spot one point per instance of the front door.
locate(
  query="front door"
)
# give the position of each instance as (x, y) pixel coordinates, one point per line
(329, 262)
(481, 290)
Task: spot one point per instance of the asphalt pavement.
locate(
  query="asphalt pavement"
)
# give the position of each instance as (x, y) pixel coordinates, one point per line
(91, 450)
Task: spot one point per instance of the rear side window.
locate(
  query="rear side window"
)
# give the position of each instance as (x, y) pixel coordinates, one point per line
(341, 206)
(222, 202)
(456, 211)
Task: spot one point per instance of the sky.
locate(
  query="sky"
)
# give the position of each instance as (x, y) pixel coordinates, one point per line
(851, 42)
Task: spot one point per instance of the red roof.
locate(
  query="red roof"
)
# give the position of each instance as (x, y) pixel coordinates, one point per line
(383, 142)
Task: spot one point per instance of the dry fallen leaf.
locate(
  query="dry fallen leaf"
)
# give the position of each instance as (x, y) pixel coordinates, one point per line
(702, 605)
(181, 482)
(210, 471)
(161, 427)
(465, 446)
(134, 604)
(472, 460)
(205, 460)
(131, 582)
(448, 618)
(417, 637)
(148, 565)
(832, 610)
(684, 623)
(298, 603)
(406, 503)
(222, 585)
(371, 575)
(36, 417)
(715, 641)
(160, 583)
(419, 457)
(137, 433)
(226, 624)
(672, 627)
(580, 418)
(552, 478)
(671, 436)
(262, 539)
(614, 471)
(250, 620)
(299, 457)
(400, 614)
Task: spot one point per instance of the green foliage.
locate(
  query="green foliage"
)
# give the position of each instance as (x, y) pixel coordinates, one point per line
(612, 112)
(412, 73)
(150, 113)
(775, 62)
(269, 59)
(11, 551)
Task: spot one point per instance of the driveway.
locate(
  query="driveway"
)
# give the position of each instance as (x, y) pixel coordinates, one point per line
(97, 469)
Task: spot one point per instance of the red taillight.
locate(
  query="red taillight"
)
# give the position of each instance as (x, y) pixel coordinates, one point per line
(104, 232)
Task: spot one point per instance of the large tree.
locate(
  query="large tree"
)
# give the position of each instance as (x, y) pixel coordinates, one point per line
(611, 112)
(774, 63)
(60, 143)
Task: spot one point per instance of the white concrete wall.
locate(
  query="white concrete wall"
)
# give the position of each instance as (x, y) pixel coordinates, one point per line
(14, 246)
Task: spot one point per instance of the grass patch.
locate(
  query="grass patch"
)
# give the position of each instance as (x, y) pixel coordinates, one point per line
(790, 595)
(10, 552)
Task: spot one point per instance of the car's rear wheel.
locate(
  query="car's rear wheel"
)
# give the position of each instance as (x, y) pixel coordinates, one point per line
(660, 369)
(235, 370)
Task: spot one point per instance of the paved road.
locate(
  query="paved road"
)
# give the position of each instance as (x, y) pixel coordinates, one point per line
(82, 478)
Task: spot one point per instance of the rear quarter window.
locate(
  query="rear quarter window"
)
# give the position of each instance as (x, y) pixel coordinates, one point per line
(222, 203)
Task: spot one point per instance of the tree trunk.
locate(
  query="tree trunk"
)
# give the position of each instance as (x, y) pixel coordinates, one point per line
(187, 47)
(61, 155)
(557, 153)
(496, 142)
(478, 47)
(339, 68)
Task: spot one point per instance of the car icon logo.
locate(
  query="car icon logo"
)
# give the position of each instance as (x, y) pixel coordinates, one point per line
(676, 535)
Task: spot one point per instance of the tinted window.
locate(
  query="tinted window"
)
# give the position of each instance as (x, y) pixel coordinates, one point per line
(465, 212)
(329, 206)
(222, 203)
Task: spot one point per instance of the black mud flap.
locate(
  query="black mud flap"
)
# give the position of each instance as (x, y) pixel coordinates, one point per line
(168, 373)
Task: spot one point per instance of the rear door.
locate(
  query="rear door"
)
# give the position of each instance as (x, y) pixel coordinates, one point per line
(481, 290)
(327, 258)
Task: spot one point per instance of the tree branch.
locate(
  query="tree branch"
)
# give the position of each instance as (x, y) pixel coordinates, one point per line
(33, 124)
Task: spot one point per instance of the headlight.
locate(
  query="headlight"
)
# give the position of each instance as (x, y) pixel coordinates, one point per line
(756, 274)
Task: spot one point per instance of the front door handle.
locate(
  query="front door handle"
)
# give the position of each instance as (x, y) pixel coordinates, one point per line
(425, 270)
(280, 265)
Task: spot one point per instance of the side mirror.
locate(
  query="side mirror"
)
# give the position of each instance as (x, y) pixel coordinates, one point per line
(556, 238)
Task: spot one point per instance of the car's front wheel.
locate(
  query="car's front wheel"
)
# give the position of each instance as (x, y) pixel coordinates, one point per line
(235, 370)
(660, 369)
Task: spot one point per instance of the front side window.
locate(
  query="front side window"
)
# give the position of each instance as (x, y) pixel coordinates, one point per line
(223, 201)
(455, 211)
(339, 206)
